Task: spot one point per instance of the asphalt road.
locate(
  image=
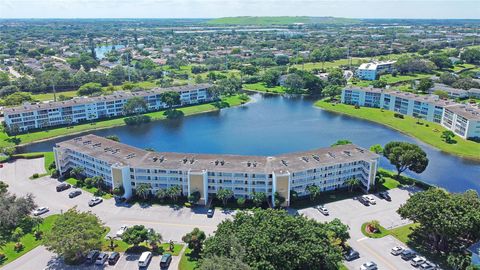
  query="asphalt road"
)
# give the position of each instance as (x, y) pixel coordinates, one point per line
(173, 222)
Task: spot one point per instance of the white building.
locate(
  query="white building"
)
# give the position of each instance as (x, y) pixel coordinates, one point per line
(127, 166)
(462, 119)
(371, 71)
(83, 109)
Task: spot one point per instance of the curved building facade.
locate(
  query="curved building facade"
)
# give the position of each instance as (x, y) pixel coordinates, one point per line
(123, 165)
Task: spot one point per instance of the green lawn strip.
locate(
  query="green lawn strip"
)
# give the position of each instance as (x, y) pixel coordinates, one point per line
(427, 132)
(49, 158)
(121, 246)
(381, 231)
(402, 233)
(92, 190)
(6, 140)
(187, 261)
(49, 96)
(390, 79)
(262, 87)
(29, 242)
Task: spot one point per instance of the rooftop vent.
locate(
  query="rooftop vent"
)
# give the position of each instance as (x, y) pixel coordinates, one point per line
(192, 160)
(184, 160)
(284, 162)
(305, 159)
(347, 153)
(317, 158)
(330, 154)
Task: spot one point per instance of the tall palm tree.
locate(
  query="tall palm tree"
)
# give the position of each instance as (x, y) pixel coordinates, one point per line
(352, 183)
(154, 239)
(313, 190)
(174, 192)
(143, 190)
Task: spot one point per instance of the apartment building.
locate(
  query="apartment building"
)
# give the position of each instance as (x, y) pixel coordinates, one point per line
(371, 71)
(127, 166)
(462, 119)
(83, 109)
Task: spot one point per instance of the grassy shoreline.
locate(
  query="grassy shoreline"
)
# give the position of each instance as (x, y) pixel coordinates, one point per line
(427, 132)
(38, 136)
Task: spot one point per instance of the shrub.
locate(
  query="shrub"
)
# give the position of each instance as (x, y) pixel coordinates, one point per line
(35, 175)
(2, 256)
(398, 115)
(18, 247)
(137, 119)
(241, 201)
(187, 204)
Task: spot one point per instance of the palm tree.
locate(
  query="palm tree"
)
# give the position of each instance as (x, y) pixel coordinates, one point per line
(77, 172)
(97, 181)
(174, 192)
(313, 190)
(143, 190)
(154, 239)
(161, 194)
(224, 195)
(352, 183)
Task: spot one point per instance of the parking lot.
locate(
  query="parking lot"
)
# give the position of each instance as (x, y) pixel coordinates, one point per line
(174, 222)
(354, 214)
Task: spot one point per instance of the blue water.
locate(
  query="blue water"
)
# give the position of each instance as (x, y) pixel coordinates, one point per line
(274, 124)
(102, 50)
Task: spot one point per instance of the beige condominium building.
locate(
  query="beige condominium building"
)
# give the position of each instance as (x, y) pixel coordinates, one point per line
(123, 165)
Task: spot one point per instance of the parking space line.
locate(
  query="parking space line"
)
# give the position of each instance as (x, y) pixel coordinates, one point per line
(361, 239)
(379, 256)
(169, 224)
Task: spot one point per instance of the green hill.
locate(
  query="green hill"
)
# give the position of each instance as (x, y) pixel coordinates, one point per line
(285, 20)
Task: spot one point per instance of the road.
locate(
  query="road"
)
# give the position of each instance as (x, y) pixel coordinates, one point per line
(174, 222)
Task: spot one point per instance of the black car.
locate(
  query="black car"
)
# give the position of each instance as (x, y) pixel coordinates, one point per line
(92, 256)
(351, 255)
(74, 193)
(363, 201)
(113, 258)
(63, 186)
(385, 196)
(165, 261)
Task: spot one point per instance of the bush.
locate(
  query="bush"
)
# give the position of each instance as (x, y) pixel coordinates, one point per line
(398, 115)
(35, 176)
(137, 120)
(241, 201)
(18, 247)
(2, 257)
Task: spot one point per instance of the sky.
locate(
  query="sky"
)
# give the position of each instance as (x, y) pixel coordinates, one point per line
(438, 9)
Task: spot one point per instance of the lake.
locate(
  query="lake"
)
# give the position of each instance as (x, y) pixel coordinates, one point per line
(102, 50)
(273, 124)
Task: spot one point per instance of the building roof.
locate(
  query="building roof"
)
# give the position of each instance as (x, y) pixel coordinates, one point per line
(374, 65)
(87, 100)
(120, 154)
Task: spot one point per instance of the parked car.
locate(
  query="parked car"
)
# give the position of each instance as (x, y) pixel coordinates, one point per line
(370, 199)
(210, 212)
(95, 201)
(363, 201)
(368, 266)
(113, 258)
(74, 193)
(165, 261)
(63, 186)
(396, 251)
(427, 266)
(101, 259)
(92, 256)
(145, 259)
(351, 255)
(417, 261)
(407, 254)
(322, 209)
(384, 195)
(40, 210)
(121, 230)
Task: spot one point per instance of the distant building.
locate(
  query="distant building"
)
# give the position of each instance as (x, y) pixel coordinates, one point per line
(78, 110)
(462, 119)
(125, 166)
(452, 92)
(371, 71)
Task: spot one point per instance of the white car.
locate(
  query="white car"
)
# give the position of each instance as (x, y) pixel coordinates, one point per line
(369, 266)
(417, 261)
(40, 210)
(427, 266)
(396, 251)
(322, 209)
(370, 199)
(121, 230)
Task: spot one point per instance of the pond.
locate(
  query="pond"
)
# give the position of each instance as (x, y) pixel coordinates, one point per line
(272, 125)
(102, 50)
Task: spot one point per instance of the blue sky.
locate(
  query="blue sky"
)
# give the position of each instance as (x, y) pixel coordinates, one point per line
(442, 9)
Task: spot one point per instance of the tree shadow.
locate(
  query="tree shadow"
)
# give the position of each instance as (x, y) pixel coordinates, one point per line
(14, 140)
(173, 114)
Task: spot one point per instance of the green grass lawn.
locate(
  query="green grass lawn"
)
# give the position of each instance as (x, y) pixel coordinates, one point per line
(460, 67)
(49, 96)
(121, 246)
(187, 261)
(403, 232)
(93, 190)
(427, 132)
(389, 79)
(262, 87)
(29, 242)
(26, 138)
(381, 231)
